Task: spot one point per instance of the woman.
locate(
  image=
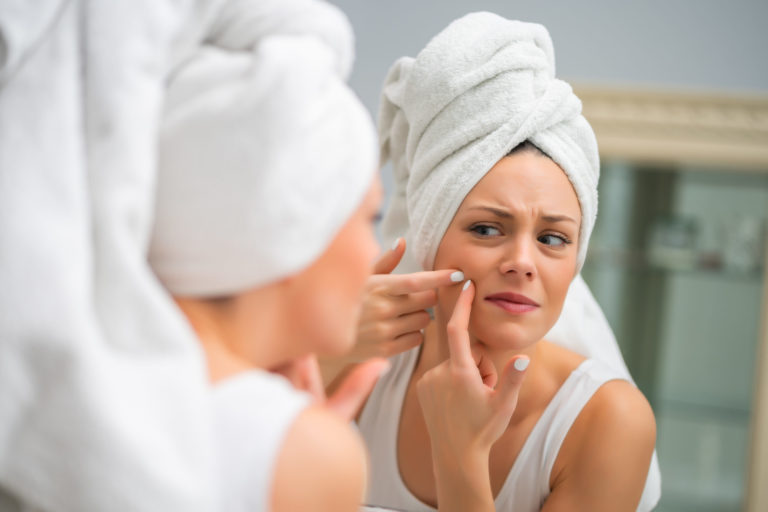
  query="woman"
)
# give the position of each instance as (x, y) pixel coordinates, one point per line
(266, 262)
(496, 173)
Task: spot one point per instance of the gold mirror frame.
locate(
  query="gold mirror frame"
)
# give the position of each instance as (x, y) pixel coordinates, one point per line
(671, 127)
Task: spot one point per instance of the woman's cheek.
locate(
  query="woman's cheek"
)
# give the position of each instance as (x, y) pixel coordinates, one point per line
(446, 299)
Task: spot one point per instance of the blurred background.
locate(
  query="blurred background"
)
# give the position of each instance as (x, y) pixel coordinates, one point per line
(677, 92)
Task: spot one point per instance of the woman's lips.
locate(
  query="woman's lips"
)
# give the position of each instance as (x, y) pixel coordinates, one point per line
(513, 302)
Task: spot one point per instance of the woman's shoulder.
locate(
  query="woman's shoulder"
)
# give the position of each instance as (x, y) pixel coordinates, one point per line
(621, 411)
(324, 458)
(609, 446)
(617, 408)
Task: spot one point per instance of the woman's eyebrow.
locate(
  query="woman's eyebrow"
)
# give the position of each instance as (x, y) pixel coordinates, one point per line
(548, 217)
(496, 211)
(558, 218)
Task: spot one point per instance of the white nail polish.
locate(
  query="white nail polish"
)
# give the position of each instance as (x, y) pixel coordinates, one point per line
(521, 364)
(397, 242)
(457, 276)
(466, 285)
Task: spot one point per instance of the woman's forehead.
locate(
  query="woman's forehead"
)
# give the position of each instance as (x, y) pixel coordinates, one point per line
(526, 179)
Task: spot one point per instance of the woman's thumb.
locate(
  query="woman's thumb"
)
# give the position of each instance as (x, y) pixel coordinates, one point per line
(388, 261)
(510, 382)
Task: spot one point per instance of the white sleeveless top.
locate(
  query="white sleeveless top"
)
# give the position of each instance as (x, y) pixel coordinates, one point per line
(527, 484)
(252, 415)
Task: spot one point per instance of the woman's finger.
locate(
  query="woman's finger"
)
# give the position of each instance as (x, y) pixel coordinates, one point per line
(404, 324)
(388, 261)
(458, 336)
(304, 374)
(411, 303)
(406, 342)
(510, 382)
(355, 388)
(403, 284)
(310, 377)
(485, 367)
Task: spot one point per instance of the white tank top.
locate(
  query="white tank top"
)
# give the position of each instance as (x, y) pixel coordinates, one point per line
(252, 415)
(527, 484)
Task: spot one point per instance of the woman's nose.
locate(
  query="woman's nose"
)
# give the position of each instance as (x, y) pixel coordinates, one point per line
(518, 259)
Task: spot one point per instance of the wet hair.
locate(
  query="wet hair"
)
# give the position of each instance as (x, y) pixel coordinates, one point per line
(527, 146)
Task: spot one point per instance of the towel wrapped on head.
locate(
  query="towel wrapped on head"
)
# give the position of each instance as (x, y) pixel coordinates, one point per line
(479, 88)
(264, 155)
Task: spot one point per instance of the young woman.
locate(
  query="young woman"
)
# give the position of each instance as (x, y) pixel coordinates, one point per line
(266, 199)
(496, 173)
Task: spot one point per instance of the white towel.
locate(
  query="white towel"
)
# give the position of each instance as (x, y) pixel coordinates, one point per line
(264, 155)
(103, 392)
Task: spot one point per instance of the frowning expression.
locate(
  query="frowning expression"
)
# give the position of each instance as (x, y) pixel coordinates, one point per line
(515, 236)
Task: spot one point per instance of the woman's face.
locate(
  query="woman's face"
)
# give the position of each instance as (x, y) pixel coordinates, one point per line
(326, 297)
(515, 236)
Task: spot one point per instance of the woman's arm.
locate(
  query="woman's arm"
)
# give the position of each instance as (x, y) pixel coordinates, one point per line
(321, 467)
(604, 460)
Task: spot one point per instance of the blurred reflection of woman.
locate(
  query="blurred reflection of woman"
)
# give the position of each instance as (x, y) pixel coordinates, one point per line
(496, 173)
(258, 147)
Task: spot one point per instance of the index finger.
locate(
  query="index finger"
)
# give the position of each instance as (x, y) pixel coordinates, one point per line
(458, 325)
(403, 284)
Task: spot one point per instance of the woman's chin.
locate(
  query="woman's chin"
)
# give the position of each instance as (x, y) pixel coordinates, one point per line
(507, 336)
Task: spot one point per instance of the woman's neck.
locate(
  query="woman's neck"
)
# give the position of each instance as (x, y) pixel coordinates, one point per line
(228, 340)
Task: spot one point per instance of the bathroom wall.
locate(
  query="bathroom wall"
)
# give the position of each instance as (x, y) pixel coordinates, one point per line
(683, 44)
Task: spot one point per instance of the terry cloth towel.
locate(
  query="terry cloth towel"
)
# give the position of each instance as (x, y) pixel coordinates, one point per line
(264, 155)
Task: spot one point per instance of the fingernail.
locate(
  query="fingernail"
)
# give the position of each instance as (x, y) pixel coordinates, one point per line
(397, 242)
(385, 369)
(457, 276)
(466, 285)
(521, 364)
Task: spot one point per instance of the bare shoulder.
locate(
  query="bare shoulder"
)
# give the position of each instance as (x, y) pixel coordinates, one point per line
(604, 460)
(618, 403)
(321, 466)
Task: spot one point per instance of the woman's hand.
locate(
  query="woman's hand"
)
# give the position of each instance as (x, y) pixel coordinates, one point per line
(393, 312)
(349, 395)
(467, 407)
(394, 306)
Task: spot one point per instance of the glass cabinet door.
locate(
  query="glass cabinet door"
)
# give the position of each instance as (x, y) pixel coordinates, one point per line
(676, 261)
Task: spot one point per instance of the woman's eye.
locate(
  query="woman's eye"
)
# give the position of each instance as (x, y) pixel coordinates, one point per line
(485, 230)
(553, 240)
